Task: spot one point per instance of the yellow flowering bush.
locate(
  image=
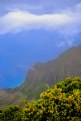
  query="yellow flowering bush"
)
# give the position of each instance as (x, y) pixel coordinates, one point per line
(59, 103)
(62, 102)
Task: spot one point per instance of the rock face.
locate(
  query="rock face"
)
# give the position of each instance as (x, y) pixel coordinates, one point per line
(67, 64)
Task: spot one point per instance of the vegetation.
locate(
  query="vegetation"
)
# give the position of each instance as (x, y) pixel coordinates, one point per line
(59, 103)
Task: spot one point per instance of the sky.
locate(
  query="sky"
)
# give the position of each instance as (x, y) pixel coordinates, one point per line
(33, 31)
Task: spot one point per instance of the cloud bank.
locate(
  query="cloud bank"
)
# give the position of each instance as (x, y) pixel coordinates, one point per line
(67, 22)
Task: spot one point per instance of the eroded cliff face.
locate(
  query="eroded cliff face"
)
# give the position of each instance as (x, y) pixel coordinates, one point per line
(67, 64)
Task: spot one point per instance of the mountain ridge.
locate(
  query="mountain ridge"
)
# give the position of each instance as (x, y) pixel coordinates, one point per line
(67, 64)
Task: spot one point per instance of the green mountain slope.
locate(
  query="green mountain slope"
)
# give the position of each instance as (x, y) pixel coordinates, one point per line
(67, 64)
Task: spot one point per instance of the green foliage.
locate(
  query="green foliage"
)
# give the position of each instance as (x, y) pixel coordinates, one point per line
(60, 103)
(11, 113)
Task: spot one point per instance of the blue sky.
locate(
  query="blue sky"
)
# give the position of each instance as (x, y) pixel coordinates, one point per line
(35, 31)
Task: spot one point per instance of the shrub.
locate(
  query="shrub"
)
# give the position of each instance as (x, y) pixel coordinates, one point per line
(62, 102)
(11, 113)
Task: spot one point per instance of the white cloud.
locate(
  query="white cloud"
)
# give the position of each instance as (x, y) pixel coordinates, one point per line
(67, 23)
(78, 7)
